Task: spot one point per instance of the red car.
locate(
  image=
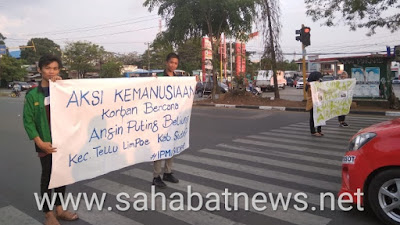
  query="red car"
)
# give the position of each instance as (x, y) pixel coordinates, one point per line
(33, 84)
(372, 165)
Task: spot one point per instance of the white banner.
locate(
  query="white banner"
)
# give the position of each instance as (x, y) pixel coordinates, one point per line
(331, 99)
(102, 125)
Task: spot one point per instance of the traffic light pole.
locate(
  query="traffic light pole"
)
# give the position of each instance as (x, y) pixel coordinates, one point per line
(304, 38)
(304, 72)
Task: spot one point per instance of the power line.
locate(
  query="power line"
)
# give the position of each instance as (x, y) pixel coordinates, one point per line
(337, 53)
(88, 27)
(328, 53)
(120, 43)
(333, 50)
(122, 32)
(335, 44)
(104, 27)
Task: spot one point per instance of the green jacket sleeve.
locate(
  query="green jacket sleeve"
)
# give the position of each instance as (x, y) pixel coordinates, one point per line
(29, 118)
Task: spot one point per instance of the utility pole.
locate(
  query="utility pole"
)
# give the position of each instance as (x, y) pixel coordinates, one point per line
(148, 55)
(221, 57)
(304, 71)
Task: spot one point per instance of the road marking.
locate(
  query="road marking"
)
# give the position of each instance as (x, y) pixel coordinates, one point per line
(290, 215)
(366, 118)
(246, 183)
(351, 123)
(306, 131)
(290, 147)
(336, 125)
(104, 217)
(346, 130)
(303, 137)
(337, 162)
(13, 216)
(292, 133)
(191, 217)
(326, 185)
(297, 142)
(266, 161)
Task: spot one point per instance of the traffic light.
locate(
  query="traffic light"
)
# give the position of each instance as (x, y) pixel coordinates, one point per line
(304, 37)
(397, 53)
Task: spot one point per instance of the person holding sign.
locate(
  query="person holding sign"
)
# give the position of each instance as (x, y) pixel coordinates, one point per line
(36, 120)
(314, 76)
(341, 118)
(172, 62)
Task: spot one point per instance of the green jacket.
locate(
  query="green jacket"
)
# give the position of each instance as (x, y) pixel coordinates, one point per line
(164, 74)
(35, 117)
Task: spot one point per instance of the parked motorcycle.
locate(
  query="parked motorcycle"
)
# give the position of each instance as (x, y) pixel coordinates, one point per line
(15, 93)
(254, 90)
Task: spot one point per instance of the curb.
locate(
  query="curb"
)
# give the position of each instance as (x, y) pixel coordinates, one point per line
(294, 109)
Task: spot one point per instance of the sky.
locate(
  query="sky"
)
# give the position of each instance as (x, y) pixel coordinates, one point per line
(124, 26)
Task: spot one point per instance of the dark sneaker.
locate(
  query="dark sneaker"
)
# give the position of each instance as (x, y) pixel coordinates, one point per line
(170, 178)
(158, 182)
(343, 124)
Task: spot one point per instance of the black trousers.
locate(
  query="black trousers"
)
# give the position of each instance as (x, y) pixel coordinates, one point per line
(341, 118)
(312, 127)
(46, 162)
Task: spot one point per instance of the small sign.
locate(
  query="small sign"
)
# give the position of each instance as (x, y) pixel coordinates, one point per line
(349, 159)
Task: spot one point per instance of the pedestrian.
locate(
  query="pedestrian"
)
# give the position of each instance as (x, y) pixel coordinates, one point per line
(171, 63)
(36, 120)
(341, 118)
(313, 77)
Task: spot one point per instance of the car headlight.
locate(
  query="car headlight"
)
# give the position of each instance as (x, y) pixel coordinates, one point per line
(360, 140)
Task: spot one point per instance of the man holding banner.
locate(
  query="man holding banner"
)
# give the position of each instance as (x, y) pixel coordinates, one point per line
(327, 100)
(314, 76)
(36, 120)
(171, 62)
(341, 118)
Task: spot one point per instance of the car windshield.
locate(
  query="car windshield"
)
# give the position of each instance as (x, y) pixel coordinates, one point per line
(300, 80)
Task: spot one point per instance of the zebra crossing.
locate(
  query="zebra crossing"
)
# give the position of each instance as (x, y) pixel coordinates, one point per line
(279, 161)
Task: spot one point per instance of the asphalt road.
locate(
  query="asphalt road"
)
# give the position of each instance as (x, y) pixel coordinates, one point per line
(246, 151)
(289, 93)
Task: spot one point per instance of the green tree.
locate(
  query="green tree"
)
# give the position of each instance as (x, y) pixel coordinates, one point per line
(11, 69)
(292, 65)
(132, 58)
(194, 18)
(83, 57)
(111, 69)
(158, 52)
(190, 55)
(43, 46)
(280, 65)
(2, 38)
(356, 14)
